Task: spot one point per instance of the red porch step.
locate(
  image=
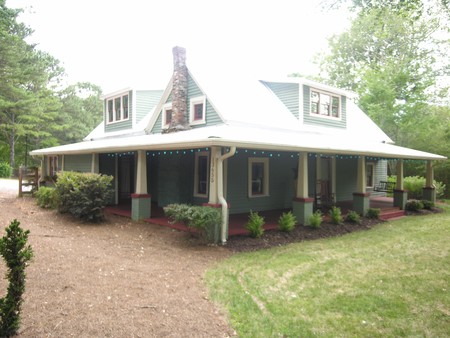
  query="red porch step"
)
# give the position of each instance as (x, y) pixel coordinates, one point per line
(391, 213)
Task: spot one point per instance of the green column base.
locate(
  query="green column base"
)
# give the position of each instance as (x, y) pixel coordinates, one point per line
(140, 206)
(429, 194)
(302, 208)
(361, 203)
(400, 198)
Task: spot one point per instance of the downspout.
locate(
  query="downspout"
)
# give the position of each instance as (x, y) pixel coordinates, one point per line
(221, 198)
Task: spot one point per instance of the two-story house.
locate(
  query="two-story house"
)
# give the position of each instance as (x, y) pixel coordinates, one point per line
(237, 143)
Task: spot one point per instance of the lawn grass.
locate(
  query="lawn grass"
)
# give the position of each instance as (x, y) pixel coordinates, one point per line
(390, 281)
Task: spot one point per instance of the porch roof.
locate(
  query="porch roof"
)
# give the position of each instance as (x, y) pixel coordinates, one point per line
(244, 136)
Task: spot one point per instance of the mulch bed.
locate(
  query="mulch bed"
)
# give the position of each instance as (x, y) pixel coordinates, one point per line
(274, 238)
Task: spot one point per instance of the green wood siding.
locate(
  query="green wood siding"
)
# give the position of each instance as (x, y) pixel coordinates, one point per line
(281, 184)
(346, 172)
(107, 166)
(212, 118)
(146, 100)
(120, 125)
(288, 93)
(175, 179)
(318, 120)
(379, 174)
(80, 163)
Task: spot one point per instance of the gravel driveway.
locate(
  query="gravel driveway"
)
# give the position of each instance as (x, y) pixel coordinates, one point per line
(116, 279)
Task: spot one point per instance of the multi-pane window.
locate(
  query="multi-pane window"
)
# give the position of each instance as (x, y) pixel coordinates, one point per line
(324, 104)
(197, 110)
(258, 177)
(118, 108)
(201, 174)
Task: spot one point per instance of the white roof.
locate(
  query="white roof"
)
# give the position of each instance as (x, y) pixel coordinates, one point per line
(243, 136)
(254, 118)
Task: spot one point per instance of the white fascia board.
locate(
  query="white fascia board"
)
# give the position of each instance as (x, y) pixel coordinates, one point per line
(115, 93)
(247, 138)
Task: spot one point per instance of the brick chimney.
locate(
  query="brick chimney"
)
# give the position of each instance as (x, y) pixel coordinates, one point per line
(179, 91)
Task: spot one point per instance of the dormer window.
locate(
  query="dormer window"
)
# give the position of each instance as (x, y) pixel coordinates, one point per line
(325, 104)
(197, 111)
(117, 108)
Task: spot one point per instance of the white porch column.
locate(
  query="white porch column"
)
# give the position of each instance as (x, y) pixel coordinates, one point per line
(333, 178)
(214, 155)
(141, 201)
(361, 199)
(399, 184)
(141, 179)
(62, 162)
(302, 176)
(302, 205)
(429, 175)
(94, 163)
(361, 175)
(429, 191)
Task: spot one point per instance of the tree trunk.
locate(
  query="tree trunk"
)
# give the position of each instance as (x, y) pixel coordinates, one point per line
(12, 144)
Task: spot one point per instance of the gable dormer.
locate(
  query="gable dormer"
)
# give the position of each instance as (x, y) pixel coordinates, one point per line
(312, 103)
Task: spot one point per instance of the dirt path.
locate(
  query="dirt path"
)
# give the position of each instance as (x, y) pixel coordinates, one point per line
(117, 279)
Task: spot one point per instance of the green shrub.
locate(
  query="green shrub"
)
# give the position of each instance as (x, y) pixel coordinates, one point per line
(206, 220)
(373, 213)
(83, 195)
(5, 170)
(414, 205)
(178, 213)
(46, 197)
(287, 221)
(315, 220)
(255, 224)
(16, 253)
(415, 184)
(427, 204)
(353, 217)
(336, 215)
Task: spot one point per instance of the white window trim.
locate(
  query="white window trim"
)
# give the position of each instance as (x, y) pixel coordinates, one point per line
(113, 98)
(193, 102)
(368, 165)
(265, 162)
(197, 156)
(164, 123)
(339, 118)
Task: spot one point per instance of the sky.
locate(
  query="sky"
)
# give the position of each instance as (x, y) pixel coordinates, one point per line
(119, 44)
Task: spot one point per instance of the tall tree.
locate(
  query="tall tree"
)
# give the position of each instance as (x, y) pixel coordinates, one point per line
(81, 111)
(27, 102)
(393, 60)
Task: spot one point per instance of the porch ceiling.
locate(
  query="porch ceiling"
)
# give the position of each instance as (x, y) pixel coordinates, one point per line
(244, 136)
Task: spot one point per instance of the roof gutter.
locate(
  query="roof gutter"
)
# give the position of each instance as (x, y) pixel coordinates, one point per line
(222, 201)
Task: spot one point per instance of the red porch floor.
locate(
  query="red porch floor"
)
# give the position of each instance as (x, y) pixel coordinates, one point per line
(237, 221)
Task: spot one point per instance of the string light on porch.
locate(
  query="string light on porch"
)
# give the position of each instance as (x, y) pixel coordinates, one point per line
(262, 153)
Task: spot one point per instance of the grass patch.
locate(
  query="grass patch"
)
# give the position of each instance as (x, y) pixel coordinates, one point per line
(390, 281)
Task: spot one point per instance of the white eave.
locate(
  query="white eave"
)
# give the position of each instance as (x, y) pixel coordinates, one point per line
(241, 136)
